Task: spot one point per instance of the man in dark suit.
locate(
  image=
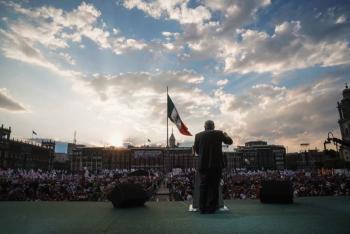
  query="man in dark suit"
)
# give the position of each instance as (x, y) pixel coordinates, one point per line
(208, 146)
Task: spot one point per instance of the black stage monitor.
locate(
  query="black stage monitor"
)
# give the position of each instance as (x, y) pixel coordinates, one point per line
(274, 191)
(128, 195)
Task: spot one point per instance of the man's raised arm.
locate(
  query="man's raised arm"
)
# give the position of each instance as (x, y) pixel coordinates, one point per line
(226, 139)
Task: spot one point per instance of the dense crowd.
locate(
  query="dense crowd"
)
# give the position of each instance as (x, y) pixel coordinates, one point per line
(181, 185)
(246, 184)
(57, 185)
(243, 184)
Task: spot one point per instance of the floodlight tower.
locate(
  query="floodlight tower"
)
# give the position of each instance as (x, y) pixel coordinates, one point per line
(344, 123)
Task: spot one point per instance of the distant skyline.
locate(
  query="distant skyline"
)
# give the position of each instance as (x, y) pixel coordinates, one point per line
(261, 69)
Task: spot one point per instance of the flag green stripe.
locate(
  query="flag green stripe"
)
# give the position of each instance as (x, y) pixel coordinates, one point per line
(171, 106)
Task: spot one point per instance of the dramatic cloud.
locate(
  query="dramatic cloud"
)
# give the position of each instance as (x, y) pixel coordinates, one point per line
(286, 49)
(235, 13)
(147, 91)
(55, 28)
(289, 47)
(136, 102)
(281, 115)
(8, 103)
(16, 47)
(226, 37)
(175, 10)
(212, 29)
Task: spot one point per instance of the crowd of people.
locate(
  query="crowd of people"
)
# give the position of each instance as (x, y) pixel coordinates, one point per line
(59, 185)
(244, 184)
(181, 185)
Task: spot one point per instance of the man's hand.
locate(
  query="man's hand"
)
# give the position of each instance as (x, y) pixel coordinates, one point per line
(227, 140)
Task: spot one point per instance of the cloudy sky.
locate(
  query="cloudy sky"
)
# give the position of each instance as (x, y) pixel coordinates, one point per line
(261, 69)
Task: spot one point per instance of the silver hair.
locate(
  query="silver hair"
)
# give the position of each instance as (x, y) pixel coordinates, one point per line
(209, 125)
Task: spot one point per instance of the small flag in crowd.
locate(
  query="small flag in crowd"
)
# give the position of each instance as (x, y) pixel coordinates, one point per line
(174, 116)
(34, 133)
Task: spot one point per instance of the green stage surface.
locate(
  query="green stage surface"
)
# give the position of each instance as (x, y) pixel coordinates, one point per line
(306, 215)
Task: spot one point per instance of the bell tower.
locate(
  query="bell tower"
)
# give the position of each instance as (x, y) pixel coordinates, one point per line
(344, 121)
(5, 133)
(172, 140)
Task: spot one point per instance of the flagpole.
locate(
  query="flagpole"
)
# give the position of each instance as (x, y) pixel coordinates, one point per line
(167, 124)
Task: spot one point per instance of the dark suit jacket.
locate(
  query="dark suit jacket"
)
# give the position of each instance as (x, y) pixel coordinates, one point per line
(208, 146)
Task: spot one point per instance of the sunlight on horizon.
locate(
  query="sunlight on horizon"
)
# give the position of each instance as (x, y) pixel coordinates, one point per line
(116, 140)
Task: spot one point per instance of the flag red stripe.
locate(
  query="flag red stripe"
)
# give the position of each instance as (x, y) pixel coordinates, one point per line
(184, 130)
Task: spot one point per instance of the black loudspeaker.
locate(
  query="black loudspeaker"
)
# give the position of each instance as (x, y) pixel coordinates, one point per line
(274, 191)
(128, 195)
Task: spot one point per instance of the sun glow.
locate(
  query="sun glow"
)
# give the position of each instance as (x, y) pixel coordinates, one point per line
(117, 140)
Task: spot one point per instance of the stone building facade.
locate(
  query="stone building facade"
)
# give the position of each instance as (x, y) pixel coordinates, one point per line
(24, 154)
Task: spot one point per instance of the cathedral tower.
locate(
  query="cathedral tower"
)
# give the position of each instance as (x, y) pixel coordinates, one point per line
(172, 140)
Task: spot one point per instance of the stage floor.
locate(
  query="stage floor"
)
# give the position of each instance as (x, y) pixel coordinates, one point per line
(306, 215)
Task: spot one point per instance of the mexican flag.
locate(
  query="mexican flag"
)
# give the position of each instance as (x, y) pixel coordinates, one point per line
(174, 116)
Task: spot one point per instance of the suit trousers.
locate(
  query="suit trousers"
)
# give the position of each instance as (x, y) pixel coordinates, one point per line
(209, 189)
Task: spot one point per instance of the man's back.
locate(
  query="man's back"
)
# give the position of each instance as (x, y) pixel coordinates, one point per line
(208, 145)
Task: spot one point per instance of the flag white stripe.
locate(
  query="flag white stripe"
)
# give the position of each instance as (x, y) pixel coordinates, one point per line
(175, 117)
